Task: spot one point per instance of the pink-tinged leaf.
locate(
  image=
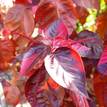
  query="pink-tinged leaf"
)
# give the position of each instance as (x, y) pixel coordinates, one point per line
(41, 90)
(34, 57)
(92, 41)
(102, 65)
(57, 28)
(66, 68)
(12, 95)
(11, 92)
(18, 21)
(87, 3)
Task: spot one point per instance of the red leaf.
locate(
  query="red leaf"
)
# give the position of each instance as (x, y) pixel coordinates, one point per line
(45, 15)
(49, 11)
(33, 84)
(100, 85)
(101, 24)
(18, 21)
(12, 95)
(34, 57)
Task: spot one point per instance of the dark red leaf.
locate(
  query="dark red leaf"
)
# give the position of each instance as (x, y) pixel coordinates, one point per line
(100, 86)
(89, 64)
(49, 11)
(40, 92)
(45, 15)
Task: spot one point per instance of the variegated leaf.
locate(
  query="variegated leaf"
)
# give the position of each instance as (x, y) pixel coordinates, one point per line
(66, 68)
(34, 57)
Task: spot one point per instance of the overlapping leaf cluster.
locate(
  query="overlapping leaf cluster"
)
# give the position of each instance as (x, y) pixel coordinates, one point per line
(58, 60)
